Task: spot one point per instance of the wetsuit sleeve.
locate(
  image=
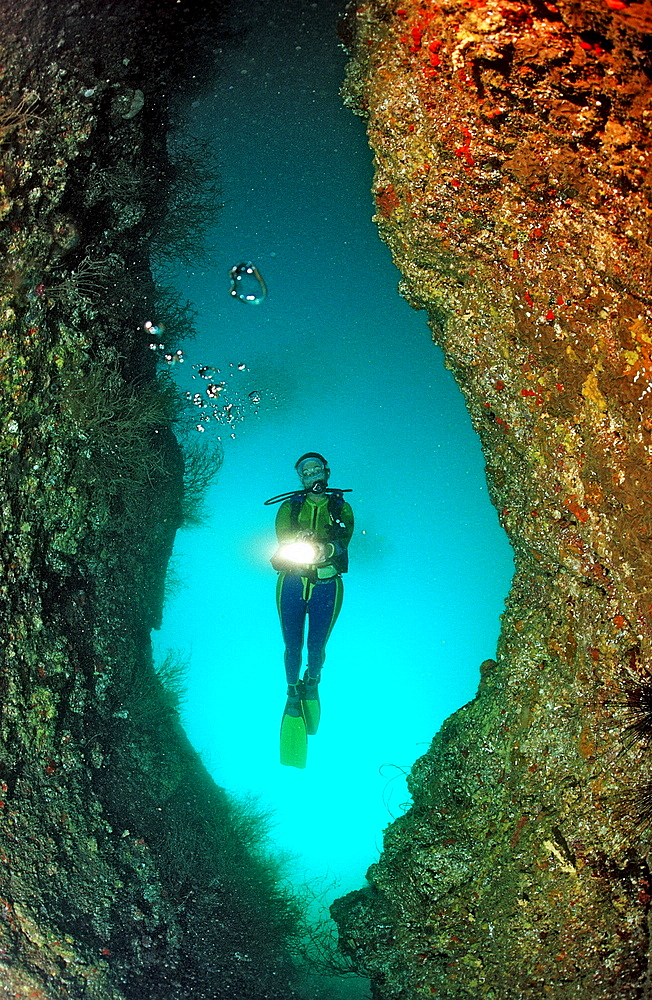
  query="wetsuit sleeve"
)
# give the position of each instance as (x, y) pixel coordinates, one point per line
(285, 533)
(343, 530)
(284, 530)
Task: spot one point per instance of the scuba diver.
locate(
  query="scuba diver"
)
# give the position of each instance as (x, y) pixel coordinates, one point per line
(314, 526)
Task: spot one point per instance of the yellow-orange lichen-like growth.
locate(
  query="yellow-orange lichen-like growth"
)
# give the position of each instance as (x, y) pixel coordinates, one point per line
(512, 146)
(513, 161)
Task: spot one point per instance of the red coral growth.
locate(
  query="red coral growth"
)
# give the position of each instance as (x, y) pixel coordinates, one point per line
(580, 513)
(414, 37)
(387, 200)
(417, 35)
(434, 60)
(464, 151)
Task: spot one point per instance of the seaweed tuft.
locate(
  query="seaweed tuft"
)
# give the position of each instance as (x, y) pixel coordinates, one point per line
(193, 203)
(202, 460)
(639, 709)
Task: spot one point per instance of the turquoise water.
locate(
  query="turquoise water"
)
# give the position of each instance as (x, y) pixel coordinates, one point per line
(344, 367)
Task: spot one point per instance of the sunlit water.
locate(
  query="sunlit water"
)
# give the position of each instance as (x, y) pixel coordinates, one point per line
(344, 367)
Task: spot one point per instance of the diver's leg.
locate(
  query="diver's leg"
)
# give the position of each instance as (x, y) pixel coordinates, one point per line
(292, 613)
(323, 608)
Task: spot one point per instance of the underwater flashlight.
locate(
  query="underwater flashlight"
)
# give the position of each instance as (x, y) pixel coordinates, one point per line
(302, 553)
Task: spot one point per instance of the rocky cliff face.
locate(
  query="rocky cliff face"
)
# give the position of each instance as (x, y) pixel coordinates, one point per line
(512, 149)
(125, 874)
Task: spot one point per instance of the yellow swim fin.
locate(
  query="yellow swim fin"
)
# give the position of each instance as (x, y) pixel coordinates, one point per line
(310, 703)
(294, 738)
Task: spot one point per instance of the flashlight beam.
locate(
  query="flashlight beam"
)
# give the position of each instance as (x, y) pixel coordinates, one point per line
(300, 553)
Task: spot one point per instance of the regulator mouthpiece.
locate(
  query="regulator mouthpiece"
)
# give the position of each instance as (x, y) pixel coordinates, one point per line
(319, 486)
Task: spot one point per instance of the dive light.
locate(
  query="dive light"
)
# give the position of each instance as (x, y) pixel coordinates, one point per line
(301, 552)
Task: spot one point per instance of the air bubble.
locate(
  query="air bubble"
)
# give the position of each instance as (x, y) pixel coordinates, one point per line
(247, 284)
(213, 390)
(154, 329)
(227, 401)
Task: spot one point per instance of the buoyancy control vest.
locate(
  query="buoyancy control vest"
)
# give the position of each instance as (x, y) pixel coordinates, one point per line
(334, 531)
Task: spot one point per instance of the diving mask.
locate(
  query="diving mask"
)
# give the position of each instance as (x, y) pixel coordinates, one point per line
(313, 476)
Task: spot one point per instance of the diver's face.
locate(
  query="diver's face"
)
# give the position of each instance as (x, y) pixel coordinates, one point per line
(310, 471)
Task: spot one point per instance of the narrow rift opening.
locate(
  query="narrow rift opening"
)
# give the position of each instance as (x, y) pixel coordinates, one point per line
(331, 360)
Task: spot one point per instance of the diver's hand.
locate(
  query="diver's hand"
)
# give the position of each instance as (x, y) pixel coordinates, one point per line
(326, 551)
(319, 549)
(320, 552)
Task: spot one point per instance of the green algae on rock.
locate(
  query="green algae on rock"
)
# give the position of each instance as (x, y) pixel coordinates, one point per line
(125, 873)
(512, 152)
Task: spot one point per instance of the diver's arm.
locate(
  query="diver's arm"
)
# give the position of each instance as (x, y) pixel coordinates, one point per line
(284, 530)
(341, 540)
(340, 533)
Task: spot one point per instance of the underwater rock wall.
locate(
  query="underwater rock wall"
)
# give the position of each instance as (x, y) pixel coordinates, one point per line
(125, 873)
(512, 182)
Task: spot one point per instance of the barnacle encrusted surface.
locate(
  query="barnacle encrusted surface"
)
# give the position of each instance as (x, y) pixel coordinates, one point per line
(512, 155)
